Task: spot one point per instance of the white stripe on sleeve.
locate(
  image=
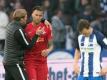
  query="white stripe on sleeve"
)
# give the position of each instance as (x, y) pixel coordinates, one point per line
(23, 37)
(105, 40)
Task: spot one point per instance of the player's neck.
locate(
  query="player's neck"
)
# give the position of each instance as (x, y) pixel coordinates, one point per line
(35, 24)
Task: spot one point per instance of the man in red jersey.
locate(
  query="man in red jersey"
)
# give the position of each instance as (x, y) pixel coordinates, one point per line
(36, 58)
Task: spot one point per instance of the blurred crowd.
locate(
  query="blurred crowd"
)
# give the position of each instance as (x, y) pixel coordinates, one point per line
(63, 15)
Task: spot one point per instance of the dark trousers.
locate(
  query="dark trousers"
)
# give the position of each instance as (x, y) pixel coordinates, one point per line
(15, 72)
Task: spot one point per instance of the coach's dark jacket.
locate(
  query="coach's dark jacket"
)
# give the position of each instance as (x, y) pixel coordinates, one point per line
(15, 44)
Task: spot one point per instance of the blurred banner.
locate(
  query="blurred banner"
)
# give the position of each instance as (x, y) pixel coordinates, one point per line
(60, 64)
(61, 70)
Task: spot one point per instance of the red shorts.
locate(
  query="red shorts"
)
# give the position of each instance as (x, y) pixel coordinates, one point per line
(36, 71)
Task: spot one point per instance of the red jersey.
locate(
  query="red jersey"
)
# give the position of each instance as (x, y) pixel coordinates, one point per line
(40, 44)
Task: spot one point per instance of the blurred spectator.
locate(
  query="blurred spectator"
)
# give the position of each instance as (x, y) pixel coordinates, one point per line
(3, 22)
(95, 4)
(69, 37)
(96, 24)
(104, 24)
(46, 5)
(99, 6)
(18, 5)
(87, 13)
(47, 12)
(77, 5)
(59, 31)
(84, 2)
(103, 5)
(11, 5)
(68, 6)
(29, 4)
(54, 4)
(74, 21)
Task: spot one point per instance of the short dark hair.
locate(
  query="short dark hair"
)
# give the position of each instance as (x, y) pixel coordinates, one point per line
(19, 13)
(83, 23)
(40, 8)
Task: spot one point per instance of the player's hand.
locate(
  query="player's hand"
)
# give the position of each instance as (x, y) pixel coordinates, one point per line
(40, 31)
(76, 69)
(47, 23)
(103, 71)
(45, 53)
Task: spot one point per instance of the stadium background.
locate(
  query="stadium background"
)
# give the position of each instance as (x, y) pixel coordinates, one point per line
(64, 15)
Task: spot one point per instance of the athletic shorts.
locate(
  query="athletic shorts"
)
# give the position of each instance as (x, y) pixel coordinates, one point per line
(36, 71)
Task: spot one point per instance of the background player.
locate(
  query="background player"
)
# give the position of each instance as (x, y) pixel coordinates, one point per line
(89, 47)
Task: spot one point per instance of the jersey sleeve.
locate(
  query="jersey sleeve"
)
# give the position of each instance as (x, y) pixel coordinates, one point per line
(76, 46)
(49, 35)
(76, 42)
(21, 38)
(101, 39)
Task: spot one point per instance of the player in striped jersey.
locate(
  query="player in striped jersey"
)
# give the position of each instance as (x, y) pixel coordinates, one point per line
(89, 46)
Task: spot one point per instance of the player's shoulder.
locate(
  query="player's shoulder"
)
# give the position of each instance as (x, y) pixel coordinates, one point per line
(80, 36)
(28, 26)
(97, 33)
(48, 26)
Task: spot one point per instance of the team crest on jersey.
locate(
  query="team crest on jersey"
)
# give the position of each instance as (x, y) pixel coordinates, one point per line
(43, 29)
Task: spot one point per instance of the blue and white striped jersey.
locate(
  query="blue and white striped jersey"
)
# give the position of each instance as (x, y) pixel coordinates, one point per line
(90, 49)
